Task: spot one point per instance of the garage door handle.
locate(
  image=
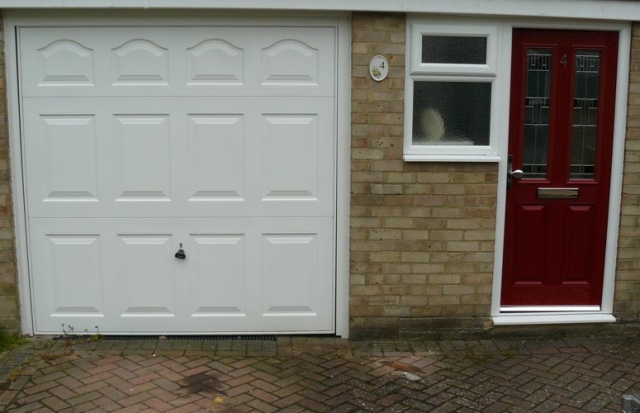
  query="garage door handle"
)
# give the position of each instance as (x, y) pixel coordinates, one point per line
(180, 254)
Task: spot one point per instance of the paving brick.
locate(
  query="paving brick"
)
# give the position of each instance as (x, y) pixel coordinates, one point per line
(158, 405)
(7, 396)
(83, 398)
(40, 387)
(453, 376)
(106, 404)
(27, 408)
(54, 403)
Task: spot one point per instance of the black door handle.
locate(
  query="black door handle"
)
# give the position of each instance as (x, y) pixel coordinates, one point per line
(180, 254)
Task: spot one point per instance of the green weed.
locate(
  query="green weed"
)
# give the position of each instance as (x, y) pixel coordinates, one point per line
(8, 341)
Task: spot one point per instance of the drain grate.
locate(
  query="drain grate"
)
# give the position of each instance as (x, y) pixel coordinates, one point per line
(173, 338)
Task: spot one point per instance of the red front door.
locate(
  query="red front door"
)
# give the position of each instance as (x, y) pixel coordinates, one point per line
(560, 137)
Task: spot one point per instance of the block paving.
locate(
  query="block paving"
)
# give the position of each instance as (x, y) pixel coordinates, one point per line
(321, 374)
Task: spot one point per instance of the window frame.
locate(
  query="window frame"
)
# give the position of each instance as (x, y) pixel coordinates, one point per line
(416, 71)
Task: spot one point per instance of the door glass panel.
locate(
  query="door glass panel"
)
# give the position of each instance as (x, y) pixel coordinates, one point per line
(585, 114)
(536, 119)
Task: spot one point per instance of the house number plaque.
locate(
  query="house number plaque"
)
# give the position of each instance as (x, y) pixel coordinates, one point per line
(379, 68)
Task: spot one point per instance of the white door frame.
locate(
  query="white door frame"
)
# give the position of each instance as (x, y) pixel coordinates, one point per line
(340, 21)
(526, 315)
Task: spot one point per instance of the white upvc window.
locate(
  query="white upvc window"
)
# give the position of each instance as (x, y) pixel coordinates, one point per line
(452, 88)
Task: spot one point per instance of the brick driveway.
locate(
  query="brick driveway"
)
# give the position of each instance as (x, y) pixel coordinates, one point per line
(321, 374)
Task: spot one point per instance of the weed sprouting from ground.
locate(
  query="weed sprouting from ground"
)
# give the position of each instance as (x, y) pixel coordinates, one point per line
(8, 341)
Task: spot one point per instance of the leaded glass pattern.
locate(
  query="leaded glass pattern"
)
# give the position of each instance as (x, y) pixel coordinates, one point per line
(585, 114)
(537, 106)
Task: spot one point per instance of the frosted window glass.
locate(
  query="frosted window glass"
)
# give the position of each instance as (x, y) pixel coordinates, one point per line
(451, 113)
(454, 50)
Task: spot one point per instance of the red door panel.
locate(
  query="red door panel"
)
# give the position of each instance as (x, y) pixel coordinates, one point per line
(532, 220)
(579, 229)
(560, 136)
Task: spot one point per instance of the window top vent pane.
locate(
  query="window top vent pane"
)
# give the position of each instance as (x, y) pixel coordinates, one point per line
(454, 50)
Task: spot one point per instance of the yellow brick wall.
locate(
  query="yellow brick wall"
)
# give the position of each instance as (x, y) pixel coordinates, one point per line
(627, 292)
(8, 277)
(422, 234)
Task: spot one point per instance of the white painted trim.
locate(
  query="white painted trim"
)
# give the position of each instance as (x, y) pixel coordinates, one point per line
(343, 174)
(17, 188)
(416, 71)
(593, 9)
(502, 147)
(617, 166)
(115, 18)
(488, 157)
(482, 29)
(606, 309)
(560, 318)
(341, 22)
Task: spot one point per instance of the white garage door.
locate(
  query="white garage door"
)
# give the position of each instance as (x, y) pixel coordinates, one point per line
(141, 141)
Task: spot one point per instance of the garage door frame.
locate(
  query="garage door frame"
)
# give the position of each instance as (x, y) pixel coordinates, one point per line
(340, 21)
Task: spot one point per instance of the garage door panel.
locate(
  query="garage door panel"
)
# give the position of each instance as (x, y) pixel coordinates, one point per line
(65, 63)
(179, 61)
(63, 158)
(289, 262)
(215, 62)
(219, 278)
(290, 62)
(290, 164)
(242, 275)
(140, 62)
(143, 157)
(297, 273)
(297, 153)
(69, 158)
(75, 267)
(68, 275)
(216, 157)
(184, 157)
(146, 276)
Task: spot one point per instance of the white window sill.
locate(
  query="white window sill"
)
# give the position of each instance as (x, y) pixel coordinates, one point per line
(451, 158)
(535, 319)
